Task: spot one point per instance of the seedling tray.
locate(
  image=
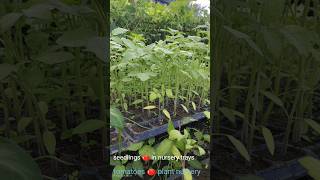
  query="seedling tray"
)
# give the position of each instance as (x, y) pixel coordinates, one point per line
(285, 171)
(114, 148)
(155, 128)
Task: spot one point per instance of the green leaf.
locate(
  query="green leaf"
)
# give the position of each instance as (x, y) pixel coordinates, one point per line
(298, 37)
(187, 174)
(88, 126)
(170, 126)
(23, 123)
(51, 58)
(241, 35)
(195, 164)
(175, 134)
(312, 165)
(166, 113)
(120, 169)
(143, 76)
(201, 151)
(118, 31)
(6, 70)
(153, 96)
(147, 150)
(207, 114)
(50, 142)
(43, 107)
(273, 98)
(9, 20)
(135, 146)
(185, 108)
(206, 137)
(269, 139)
(150, 107)
(116, 118)
(228, 113)
(164, 147)
(313, 124)
(138, 101)
(194, 106)
(151, 141)
(16, 164)
(76, 38)
(175, 151)
(240, 147)
(169, 93)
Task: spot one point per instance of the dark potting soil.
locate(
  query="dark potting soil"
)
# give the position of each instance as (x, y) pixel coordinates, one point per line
(139, 129)
(204, 175)
(160, 122)
(219, 175)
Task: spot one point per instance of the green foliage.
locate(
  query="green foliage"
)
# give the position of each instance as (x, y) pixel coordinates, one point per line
(149, 18)
(15, 163)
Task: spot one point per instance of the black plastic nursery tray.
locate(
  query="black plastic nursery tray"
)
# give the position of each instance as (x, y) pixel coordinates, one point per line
(114, 147)
(157, 126)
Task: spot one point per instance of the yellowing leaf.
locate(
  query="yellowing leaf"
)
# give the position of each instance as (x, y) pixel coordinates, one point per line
(194, 106)
(166, 113)
(207, 114)
(150, 107)
(185, 108)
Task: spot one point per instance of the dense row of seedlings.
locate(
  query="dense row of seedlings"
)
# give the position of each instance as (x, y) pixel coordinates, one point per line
(265, 74)
(165, 75)
(50, 53)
